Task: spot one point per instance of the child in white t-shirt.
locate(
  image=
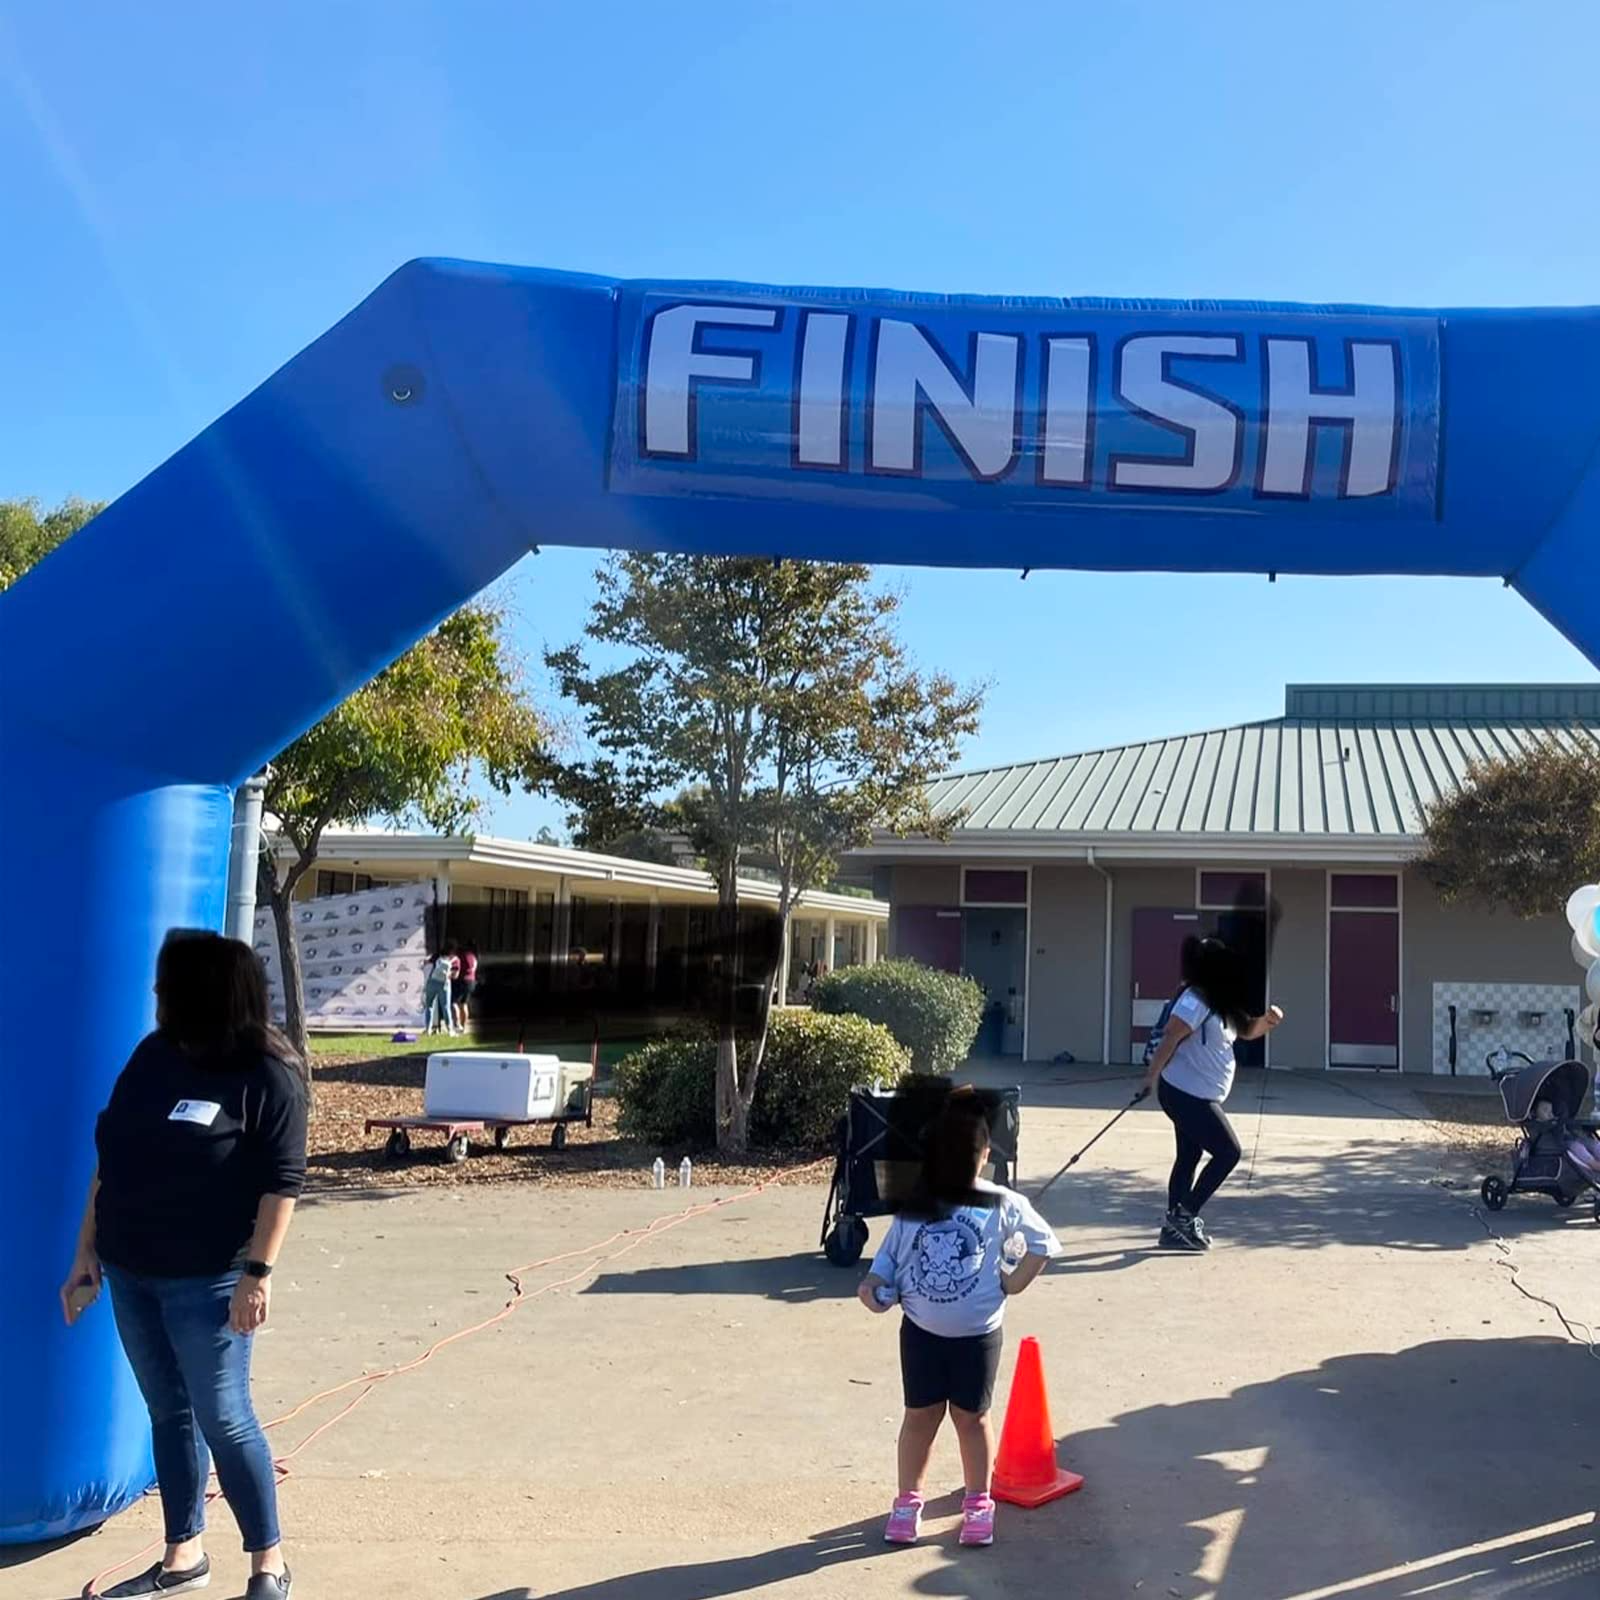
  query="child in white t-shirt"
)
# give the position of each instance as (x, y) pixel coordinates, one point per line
(944, 1260)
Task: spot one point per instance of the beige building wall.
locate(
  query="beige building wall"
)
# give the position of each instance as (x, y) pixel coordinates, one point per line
(1066, 972)
(1467, 944)
(1297, 977)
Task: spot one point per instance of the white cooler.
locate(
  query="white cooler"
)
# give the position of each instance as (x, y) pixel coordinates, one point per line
(480, 1085)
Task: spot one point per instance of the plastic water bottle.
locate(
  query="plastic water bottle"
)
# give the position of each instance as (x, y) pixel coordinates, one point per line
(685, 1173)
(658, 1174)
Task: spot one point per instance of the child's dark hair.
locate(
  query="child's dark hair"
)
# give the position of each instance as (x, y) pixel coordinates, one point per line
(952, 1159)
(1216, 972)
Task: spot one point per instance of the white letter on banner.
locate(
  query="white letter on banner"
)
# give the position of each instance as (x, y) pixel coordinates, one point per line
(1064, 449)
(675, 362)
(1367, 411)
(908, 371)
(819, 397)
(1210, 426)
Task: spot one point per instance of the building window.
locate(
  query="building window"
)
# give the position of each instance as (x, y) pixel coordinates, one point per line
(1232, 891)
(329, 883)
(981, 886)
(508, 919)
(1364, 891)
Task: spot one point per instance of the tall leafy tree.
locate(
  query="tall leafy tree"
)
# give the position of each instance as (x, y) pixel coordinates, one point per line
(410, 744)
(1522, 833)
(777, 701)
(28, 533)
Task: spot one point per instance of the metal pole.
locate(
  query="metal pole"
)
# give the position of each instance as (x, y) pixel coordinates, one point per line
(244, 844)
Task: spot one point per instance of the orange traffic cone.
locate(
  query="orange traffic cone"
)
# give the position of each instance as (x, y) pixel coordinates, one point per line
(1026, 1472)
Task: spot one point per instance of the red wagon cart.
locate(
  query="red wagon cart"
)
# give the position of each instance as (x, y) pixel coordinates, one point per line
(459, 1129)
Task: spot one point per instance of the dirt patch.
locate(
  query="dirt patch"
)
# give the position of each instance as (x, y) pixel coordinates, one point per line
(342, 1155)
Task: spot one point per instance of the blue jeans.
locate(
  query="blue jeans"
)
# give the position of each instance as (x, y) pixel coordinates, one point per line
(194, 1374)
(436, 1003)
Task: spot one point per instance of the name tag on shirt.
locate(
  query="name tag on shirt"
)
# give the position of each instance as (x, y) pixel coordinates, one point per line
(201, 1112)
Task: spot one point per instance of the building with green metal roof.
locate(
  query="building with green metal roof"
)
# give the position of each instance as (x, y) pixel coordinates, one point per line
(1067, 885)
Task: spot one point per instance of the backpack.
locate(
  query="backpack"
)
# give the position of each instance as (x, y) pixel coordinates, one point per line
(1153, 1043)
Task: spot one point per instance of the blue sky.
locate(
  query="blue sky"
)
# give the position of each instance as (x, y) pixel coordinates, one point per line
(193, 192)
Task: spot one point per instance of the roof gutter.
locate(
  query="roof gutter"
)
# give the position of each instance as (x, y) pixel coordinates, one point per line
(1105, 999)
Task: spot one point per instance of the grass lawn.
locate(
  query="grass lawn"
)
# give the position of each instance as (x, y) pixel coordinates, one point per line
(342, 1047)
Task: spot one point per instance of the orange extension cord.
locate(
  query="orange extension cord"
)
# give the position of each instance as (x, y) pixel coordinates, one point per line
(368, 1381)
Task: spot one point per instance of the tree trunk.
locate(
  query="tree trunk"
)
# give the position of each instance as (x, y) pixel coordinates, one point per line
(733, 1110)
(294, 1004)
(280, 896)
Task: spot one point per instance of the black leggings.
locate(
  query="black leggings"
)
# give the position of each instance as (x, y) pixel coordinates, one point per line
(1202, 1128)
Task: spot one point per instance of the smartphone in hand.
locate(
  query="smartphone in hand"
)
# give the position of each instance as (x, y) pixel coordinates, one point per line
(80, 1297)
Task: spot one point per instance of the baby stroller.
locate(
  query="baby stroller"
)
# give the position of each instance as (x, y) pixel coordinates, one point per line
(1558, 1153)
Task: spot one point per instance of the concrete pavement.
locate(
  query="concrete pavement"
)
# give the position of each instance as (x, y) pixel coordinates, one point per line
(1348, 1396)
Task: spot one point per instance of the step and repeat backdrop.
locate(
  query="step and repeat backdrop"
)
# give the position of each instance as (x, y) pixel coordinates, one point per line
(361, 956)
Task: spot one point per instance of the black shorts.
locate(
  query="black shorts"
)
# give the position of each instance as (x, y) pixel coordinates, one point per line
(936, 1370)
(462, 991)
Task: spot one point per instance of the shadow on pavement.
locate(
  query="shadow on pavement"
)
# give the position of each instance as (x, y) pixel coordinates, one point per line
(1465, 1468)
(1372, 1192)
(793, 1280)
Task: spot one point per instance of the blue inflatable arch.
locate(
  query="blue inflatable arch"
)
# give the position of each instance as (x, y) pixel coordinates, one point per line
(463, 413)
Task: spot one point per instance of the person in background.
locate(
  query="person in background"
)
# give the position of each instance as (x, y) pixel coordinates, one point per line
(465, 984)
(1192, 1072)
(944, 1260)
(436, 1013)
(202, 1153)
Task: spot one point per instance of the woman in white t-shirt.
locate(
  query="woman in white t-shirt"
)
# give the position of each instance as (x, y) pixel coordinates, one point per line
(1192, 1072)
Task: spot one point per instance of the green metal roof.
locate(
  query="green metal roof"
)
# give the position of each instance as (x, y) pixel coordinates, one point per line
(1350, 760)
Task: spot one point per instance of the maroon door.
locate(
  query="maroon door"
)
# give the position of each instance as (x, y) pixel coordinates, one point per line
(1363, 976)
(929, 934)
(1157, 971)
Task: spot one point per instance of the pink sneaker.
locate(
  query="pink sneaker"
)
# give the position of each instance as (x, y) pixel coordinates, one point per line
(905, 1520)
(977, 1519)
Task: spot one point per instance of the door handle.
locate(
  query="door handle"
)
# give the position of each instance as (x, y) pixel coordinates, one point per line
(1394, 1003)
(1136, 990)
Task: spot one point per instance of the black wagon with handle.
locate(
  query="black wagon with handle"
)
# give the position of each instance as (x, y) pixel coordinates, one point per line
(880, 1142)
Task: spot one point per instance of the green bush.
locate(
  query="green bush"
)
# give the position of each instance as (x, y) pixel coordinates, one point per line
(934, 1014)
(812, 1064)
(666, 1090)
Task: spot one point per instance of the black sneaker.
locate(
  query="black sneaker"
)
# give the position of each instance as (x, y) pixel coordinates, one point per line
(1198, 1229)
(1175, 1234)
(268, 1586)
(159, 1581)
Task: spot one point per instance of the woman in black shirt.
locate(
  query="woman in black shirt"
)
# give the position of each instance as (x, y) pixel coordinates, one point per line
(202, 1152)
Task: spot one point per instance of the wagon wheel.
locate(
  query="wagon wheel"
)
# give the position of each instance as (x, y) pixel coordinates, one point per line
(502, 1137)
(1494, 1193)
(558, 1136)
(455, 1150)
(844, 1245)
(398, 1147)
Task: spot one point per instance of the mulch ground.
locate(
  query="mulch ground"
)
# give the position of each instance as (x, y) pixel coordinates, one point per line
(342, 1155)
(1472, 1128)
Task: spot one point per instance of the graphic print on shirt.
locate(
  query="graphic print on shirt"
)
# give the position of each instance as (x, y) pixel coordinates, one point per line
(946, 1258)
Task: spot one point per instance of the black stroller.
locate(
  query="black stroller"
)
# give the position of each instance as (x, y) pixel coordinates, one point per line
(880, 1150)
(1545, 1099)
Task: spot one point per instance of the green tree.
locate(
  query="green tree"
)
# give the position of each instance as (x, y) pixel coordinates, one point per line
(28, 534)
(1522, 833)
(409, 744)
(775, 697)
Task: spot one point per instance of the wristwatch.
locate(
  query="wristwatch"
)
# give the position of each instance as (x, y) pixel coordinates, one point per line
(257, 1269)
